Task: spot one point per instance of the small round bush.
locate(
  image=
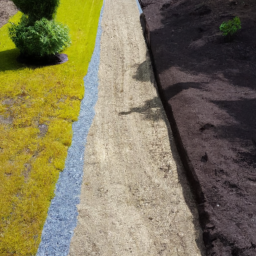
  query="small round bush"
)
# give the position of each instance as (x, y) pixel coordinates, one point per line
(229, 28)
(43, 38)
(38, 9)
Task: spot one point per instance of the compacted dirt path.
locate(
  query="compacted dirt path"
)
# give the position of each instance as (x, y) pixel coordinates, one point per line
(7, 9)
(135, 199)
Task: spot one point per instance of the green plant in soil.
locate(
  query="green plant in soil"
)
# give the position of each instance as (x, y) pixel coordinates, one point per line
(38, 34)
(230, 28)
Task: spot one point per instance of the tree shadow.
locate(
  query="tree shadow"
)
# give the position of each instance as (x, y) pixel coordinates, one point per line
(241, 110)
(243, 130)
(150, 110)
(177, 88)
(8, 60)
(153, 110)
(187, 187)
(141, 75)
(192, 41)
(12, 60)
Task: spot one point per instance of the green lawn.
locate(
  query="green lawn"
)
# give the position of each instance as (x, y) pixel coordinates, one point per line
(37, 108)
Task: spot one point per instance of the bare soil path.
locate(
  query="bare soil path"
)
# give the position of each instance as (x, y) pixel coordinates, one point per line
(135, 199)
(7, 9)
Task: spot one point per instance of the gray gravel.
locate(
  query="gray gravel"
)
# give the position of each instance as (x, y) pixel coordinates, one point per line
(62, 214)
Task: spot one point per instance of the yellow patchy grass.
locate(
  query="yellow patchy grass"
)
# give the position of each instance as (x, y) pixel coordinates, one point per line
(37, 108)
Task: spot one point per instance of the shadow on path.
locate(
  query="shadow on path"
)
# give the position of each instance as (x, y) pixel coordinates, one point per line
(153, 110)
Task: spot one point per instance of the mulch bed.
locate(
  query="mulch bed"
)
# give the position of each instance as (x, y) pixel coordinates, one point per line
(208, 88)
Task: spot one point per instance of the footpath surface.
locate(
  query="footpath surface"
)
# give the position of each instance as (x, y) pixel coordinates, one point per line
(7, 9)
(135, 198)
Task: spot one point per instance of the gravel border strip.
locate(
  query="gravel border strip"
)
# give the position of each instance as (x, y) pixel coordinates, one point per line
(62, 214)
(140, 10)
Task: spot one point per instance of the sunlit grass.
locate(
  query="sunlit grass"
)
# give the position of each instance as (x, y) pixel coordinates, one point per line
(37, 108)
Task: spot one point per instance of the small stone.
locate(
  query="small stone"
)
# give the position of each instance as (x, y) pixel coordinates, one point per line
(232, 2)
(43, 129)
(204, 158)
(210, 226)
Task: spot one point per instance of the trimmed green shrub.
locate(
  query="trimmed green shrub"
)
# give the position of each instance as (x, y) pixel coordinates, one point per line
(229, 28)
(38, 35)
(44, 38)
(37, 10)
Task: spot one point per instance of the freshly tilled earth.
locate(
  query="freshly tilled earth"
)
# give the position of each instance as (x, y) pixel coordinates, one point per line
(207, 85)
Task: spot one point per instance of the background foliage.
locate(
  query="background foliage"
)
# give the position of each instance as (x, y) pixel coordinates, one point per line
(38, 9)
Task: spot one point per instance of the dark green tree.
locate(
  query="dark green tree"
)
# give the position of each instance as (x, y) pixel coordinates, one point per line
(37, 10)
(38, 35)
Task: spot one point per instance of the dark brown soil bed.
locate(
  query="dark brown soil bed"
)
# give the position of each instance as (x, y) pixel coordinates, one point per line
(208, 87)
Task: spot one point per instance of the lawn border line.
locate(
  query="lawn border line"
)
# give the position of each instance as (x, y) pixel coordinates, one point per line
(139, 7)
(62, 214)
